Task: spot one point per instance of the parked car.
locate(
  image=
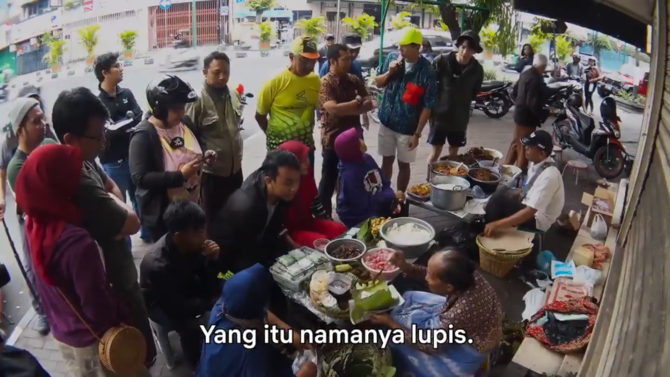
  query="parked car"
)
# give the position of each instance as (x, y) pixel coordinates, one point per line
(440, 42)
(626, 79)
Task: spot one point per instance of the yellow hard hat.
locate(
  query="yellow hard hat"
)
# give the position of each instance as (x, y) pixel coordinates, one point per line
(411, 36)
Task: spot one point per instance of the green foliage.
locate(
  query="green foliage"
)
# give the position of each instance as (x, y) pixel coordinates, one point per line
(312, 27)
(630, 97)
(46, 39)
(399, 21)
(443, 26)
(259, 6)
(490, 75)
(265, 31)
(89, 38)
(56, 48)
(128, 39)
(488, 39)
(536, 43)
(563, 48)
(538, 24)
(505, 37)
(362, 25)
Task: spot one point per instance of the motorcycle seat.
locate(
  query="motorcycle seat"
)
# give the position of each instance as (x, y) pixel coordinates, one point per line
(488, 86)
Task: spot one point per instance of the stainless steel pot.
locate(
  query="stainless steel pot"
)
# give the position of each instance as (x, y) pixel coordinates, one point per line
(449, 164)
(452, 199)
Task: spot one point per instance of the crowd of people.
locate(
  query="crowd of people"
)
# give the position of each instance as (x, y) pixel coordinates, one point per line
(180, 166)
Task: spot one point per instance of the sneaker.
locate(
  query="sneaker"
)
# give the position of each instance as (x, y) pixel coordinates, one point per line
(42, 325)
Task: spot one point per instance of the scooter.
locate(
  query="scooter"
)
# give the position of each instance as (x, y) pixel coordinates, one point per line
(559, 90)
(243, 104)
(182, 60)
(576, 130)
(494, 99)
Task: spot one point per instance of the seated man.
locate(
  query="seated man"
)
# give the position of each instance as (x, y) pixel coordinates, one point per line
(179, 276)
(539, 203)
(250, 227)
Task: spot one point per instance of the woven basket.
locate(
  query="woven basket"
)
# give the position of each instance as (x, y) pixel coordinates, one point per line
(122, 350)
(498, 264)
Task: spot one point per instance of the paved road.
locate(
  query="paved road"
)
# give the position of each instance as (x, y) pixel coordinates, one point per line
(250, 72)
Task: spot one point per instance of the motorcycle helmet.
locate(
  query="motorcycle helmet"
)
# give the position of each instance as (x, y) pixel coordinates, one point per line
(608, 110)
(168, 91)
(575, 100)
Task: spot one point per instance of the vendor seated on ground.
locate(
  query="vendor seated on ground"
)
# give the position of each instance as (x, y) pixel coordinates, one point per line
(461, 299)
(538, 204)
(242, 306)
(307, 220)
(250, 227)
(178, 277)
(363, 191)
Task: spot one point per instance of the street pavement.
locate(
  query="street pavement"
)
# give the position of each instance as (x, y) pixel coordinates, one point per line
(251, 73)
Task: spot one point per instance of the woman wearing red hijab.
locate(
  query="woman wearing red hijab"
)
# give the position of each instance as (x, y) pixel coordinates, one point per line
(306, 217)
(70, 272)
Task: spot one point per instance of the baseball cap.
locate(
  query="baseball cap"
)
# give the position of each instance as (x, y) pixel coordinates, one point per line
(352, 41)
(411, 36)
(305, 47)
(473, 38)
(541, 139)
(330, 37)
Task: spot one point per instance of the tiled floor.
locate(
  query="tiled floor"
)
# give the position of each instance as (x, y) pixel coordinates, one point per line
(482, 131)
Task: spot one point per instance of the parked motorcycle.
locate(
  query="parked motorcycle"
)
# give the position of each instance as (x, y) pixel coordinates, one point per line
(559, 90)
(494, 99)
(182, 59)
(576, 130)
(243, 104)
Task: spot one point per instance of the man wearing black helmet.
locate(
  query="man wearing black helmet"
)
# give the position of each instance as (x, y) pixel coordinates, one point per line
(122, 106)
(165, 156)
(459, 77)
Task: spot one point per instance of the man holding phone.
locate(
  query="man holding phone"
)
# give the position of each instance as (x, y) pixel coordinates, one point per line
(408, 100)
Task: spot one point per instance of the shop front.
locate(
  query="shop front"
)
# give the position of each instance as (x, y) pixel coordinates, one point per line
(631, 336)
(26, 39)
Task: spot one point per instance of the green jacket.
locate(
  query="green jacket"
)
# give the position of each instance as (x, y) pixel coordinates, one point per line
(455, 91)
(216, 120)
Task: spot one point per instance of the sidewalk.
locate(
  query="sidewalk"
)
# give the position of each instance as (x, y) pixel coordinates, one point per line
(482, 131)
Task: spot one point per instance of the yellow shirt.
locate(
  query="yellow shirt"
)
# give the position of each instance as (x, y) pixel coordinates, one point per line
(291, 101)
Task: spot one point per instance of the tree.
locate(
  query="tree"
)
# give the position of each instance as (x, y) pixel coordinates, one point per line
(361, 25)
(563, 48)
(399, 21)
(56, 48)
(536, 43)
(89, 38)
(259, 6)
(599, 42)
(312, 27)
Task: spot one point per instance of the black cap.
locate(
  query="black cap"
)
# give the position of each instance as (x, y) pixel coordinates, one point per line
(330, 37)
(473, 38)
(352, 41)
(541, 139)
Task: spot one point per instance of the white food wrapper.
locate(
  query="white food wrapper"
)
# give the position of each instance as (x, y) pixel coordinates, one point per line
(588, 275)
(534, 300)
(562, 269)
(303, 357)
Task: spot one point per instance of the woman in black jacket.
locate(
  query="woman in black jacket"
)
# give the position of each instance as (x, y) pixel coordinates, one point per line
(165, 157)
(525, 59)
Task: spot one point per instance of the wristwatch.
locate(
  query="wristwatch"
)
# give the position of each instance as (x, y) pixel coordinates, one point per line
(418, 135)
(359, 99)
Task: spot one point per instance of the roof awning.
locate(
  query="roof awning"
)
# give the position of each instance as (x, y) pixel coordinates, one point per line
(592, 14)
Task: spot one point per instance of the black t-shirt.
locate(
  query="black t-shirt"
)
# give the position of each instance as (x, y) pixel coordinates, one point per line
(118, 106)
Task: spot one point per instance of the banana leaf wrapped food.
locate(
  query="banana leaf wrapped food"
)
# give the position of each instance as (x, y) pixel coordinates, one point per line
(355, 360)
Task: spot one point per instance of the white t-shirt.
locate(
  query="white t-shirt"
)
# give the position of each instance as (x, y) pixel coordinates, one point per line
(547, 195)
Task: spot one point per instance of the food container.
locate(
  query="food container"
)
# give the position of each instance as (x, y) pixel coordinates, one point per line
(449, 200)
(449, 164)
(320, 244)
(488, 187)
(509, 174)
(492, 153)
(410, 250)
(389, 273)
(340, 285)
(335, 244)
(489, 164)
(412, 195)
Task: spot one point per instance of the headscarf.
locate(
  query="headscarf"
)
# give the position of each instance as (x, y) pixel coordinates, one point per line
(300, 212)
(44, 190)
(348, 146)
(247, 294)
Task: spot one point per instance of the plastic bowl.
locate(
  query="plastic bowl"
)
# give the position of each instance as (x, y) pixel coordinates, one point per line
(320, 244)
(388, 274)
(410, 250)
(335, 244)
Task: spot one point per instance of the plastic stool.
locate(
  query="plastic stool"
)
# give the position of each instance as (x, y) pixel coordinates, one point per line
(161, 335)
(558, 152)
(576, 166)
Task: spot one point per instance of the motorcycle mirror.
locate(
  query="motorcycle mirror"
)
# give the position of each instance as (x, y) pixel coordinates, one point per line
(249, 95)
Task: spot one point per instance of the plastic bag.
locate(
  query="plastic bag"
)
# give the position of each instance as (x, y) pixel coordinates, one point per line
(599, 228)
(588, 275)
(301, 358)
(562, 269)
